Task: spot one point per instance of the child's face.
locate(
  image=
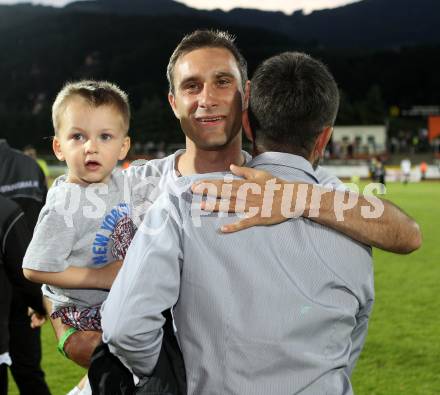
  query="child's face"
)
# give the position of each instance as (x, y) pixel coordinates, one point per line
(91, 140)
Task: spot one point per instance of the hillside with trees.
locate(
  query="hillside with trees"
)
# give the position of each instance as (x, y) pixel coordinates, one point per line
(42, 47)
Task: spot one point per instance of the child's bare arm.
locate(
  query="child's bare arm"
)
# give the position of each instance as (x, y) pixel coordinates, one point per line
(77, 277)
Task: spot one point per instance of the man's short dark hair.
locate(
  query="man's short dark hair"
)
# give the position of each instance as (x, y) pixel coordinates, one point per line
(206, 39)
(293, 97)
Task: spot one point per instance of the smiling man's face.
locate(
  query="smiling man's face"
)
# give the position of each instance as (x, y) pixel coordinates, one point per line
(208, 97)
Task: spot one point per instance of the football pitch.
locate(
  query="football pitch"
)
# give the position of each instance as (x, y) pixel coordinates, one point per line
(402, 352)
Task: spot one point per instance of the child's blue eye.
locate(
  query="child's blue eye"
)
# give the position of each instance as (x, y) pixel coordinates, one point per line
(77, 136)
(106, 136)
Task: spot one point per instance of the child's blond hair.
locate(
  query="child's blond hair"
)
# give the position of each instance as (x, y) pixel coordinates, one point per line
(96, 93)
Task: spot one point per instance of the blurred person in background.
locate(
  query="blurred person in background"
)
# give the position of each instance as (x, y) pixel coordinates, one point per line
(372, 169)
(423, 170)
(30, 151)
(14, 239)
(23, 181)
(405, 170)
(379, 175)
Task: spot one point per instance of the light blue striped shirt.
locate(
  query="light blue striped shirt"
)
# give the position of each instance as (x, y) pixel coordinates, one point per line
(268, 310)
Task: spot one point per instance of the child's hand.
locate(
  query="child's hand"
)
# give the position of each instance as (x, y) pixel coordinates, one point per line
(37, 319)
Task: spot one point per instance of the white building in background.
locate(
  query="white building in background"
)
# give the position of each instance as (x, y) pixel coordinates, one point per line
(359, 140)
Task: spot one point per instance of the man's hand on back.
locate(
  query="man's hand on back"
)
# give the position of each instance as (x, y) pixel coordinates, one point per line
(260, 197)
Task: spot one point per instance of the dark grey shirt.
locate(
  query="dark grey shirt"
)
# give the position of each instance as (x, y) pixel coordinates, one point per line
(268, 310)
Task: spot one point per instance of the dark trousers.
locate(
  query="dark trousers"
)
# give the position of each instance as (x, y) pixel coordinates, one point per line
(108, 376)
(25, 351)
(3, 379)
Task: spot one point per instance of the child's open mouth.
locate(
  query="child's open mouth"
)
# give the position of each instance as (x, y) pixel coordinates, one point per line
(92, 165)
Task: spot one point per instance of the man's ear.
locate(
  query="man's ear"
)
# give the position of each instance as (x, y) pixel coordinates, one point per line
(56, 146)
(245, 115)
(247, 95)
(322, 141)
(247, 125)
(172, 101)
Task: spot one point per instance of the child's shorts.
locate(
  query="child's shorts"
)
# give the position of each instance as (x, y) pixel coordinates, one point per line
(88, 319)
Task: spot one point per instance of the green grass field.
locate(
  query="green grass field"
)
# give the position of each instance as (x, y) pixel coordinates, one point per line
(402, 353)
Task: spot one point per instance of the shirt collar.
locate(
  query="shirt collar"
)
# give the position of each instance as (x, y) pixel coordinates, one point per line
(246, 155)
(284, 159)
